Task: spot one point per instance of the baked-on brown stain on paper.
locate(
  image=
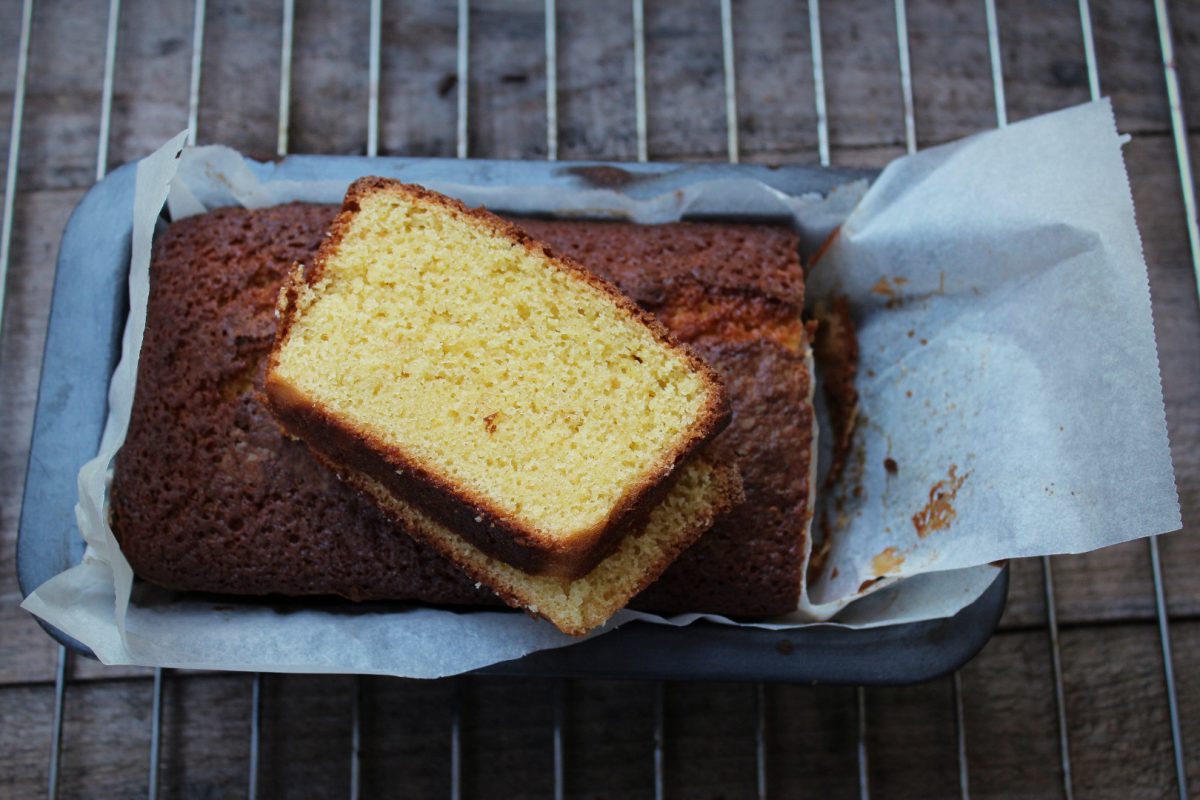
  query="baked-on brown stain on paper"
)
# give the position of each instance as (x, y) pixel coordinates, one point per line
(883, 287)
(939, 512)
(867, 584)
(886, 562)
(888, 288)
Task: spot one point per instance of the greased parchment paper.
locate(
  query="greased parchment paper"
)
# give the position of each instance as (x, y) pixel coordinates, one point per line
(1010, 399)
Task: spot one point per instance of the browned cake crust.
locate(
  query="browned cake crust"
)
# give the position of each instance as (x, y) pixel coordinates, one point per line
(207, 494)
(735, 294)
(836, 350)
(206, 489)
(474, 517)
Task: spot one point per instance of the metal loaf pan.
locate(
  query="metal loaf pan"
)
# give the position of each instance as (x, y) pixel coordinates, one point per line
(87, 317)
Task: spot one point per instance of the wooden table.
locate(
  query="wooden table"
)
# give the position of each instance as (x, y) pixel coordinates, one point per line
(994, 728)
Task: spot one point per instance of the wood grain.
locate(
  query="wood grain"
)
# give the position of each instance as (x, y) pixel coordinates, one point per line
(1104, 696)
(1115, 695)
(37, 224)
(1186, 640)
(150, 82)
(596, 107)
(912, 740)
(332, 62)
(418, 95)
(239, 90)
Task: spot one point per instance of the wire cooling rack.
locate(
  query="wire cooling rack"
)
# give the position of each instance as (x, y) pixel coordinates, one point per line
(558, 754)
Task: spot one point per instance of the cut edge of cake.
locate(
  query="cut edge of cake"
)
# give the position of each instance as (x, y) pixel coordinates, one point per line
(704, 490)
(473, 517)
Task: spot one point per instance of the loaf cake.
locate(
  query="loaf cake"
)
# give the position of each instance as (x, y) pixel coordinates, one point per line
(512, 396)
(206, 489)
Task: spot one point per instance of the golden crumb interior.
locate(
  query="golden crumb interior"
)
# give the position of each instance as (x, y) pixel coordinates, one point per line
(577, 606)
(519, 382)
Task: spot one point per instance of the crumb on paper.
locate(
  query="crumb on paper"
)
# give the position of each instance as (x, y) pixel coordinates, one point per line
(884, 287)
(886, 562)
(939, 511)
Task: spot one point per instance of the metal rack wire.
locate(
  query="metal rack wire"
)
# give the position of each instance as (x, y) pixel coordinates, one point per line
(560, 688)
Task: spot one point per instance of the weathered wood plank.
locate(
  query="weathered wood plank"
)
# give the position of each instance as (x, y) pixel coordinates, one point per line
(1042, 53)
(862, 76)
(609, 739)
(777, 114)
(406, 737)
(1161, 218)
(1008, 705)
(812, 734)
(507, 95)
(151, 78)
(952, 82)
(1117, 712)
(10, 37)
(1026, 604)
(239, 88)
(62, 104)
(912, 741)
(506, 738)
(418, 88)
(305, 735)
(98, 715)
(329, 61)
(25, 739)
(205, 746)
(1130, 62)
(709, 747)
(596, 106)
(685, 101)
(1186, 643)
(38, 220)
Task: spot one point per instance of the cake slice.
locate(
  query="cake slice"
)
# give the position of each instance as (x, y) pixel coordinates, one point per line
(447, 363)
(735, 293)
(704, 490)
